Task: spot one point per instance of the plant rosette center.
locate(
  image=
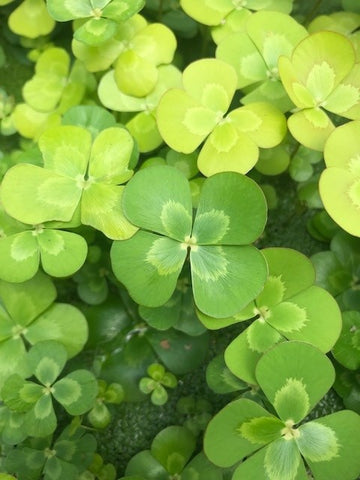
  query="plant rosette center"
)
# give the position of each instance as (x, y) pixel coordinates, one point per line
(288, 432)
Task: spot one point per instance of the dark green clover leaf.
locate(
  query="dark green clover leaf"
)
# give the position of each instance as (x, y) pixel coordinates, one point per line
(347, 348)
(338, 270)
(169, 457)
(27, 313)
(294, 376)
(65, 457)
(178, 312)
(347, 385)
(102, 16)
(76, 392)
(227, 273)
(77, 173)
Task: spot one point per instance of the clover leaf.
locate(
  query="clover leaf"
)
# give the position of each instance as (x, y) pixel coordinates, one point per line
(254, 54)
(178, 312)
(54, 88)
(149, 48)
(346, 23)
(64, 457)
(27, 313)
(338, 270)
(169, 457)
(186, 117)
(100, 415)
(77, 173)
(142, 125)
(76, 392)
(294, 377)
(22, 247)
(103, 16)
(229, 16)
(290, 307)
(156, 382)
(339, 183)
(31, 19)
(101, 57)
(226, 271)
(347, 349)
(321, 75)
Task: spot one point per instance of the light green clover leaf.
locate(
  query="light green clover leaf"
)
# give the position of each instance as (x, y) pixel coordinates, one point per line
(290, 307)
(77, 173)
(294, 376)
(27, 313)
(228, 16)
(22, 247)
(254, 54)
(31, 19)
(102, 16)
(156, 382)
(98, 58)
(136, 68)
(53, 89)
(76, 392)
(321, 75)
(346, 23)
(226, 271)
(186, 117)
(142, 125)
(31, 123)
(54, 86)
(339, 183)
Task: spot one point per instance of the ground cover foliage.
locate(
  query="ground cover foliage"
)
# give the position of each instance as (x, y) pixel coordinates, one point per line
(179, 239)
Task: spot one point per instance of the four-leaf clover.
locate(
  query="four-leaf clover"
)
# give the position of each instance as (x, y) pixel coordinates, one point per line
(227, 273)
(294, 376)
(78, 174)
(76, 392)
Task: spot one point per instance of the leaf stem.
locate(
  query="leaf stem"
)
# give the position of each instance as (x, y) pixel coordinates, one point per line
(312, 12)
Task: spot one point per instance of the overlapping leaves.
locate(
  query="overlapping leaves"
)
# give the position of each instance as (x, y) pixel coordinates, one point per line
(102, 16)
(23, 247)
(142, 125)
(294, 376)
(338, 270)
(254, 54)
(290, 307)
(170, 456)
(64, 457)
(229, 16)
(77, 174)
(27, 313)
(186, 117)
(321, 75)
(339, 183)
(76, 392)
(54, 88)
(226, 271)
